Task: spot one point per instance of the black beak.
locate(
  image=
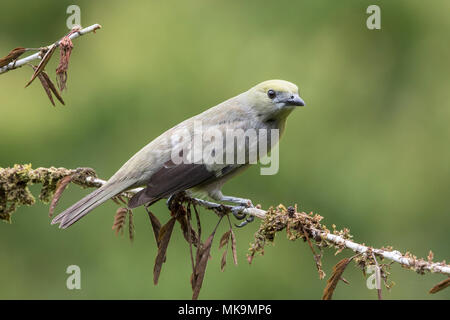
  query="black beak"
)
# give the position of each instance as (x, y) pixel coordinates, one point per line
(295, 100)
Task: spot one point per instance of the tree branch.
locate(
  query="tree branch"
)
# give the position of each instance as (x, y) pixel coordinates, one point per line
(298, 225)
(406, 260)
(19, 63)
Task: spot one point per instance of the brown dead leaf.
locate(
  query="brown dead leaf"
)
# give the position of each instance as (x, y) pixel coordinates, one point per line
(164, 238)
(52, 87)
(11, 56)
(48, 54)
(200, 267)
(65, 49)
(185, 228)
(48, 86)
(60, 187)
(224, 239)
(332, 282)
(156, 225)
(130, 225)
(119, 219)
(233, 247)
(223, 262)
(440, 286)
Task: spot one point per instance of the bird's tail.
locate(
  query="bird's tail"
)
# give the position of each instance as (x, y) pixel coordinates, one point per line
(86, 205)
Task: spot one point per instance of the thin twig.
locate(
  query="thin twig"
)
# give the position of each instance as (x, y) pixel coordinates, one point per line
(19, 63)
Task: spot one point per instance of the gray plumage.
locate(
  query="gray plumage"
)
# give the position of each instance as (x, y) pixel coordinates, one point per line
(153, 167)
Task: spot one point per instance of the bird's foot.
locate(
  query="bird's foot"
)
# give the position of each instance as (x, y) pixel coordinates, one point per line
(237, 210)
(240, 215)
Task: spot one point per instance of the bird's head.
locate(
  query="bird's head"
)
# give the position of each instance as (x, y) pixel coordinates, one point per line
(274, 98)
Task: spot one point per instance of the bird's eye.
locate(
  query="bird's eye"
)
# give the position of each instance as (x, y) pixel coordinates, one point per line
(271, 94)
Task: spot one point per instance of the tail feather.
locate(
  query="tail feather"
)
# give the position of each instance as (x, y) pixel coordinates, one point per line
(85, 205)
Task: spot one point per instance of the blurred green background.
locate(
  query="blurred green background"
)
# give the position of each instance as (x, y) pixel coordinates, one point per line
(369, 152)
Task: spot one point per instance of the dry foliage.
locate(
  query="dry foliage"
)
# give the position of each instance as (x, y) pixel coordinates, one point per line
(163, 242)
(336, 276)
(65, 45)
(46, 54)
(48, 86)
(60, 187)
(440, 286)
(65, 49)
(12, 56)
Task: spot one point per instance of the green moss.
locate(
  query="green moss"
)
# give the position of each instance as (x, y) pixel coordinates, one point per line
(14, 183)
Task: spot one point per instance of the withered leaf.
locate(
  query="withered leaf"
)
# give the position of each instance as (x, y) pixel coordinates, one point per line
(119, 219)
(223, 262)
(52, 87)
(225, 238)
(332, 282)
(200, 267)
(156, 225)
(233, 247)
(130, 225)
(185, 227)
(164, 238)
(60, 187)
(44, 84)
(65, 49)
(48, 86)
(11, 56)
(440, 286)
(42, 64)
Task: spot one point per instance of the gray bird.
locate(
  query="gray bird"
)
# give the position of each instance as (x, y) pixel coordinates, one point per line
(265, 106)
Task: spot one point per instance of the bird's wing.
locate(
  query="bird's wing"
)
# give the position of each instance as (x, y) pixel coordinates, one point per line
(172, 178)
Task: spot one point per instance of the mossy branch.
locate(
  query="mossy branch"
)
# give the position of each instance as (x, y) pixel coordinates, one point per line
(14, 183)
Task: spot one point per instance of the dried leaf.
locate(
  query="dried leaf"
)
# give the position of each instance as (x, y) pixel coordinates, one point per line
(200, 268)
(65, 49)
(11, 56)
(164, 238)
(225, 238)
(185, 227)
(52, 87)
(223, 262)
(42, 64)
(338, 270)
(156, 225)
(48, 86)
(119, 219)
(233, 247)
(440, 286)
(130, 225)
(60, 187)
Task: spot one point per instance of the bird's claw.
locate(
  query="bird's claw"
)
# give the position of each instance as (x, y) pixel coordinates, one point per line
(245, 222)
(238, 214)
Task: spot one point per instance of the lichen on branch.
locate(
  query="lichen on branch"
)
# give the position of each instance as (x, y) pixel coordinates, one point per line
(14, 183)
